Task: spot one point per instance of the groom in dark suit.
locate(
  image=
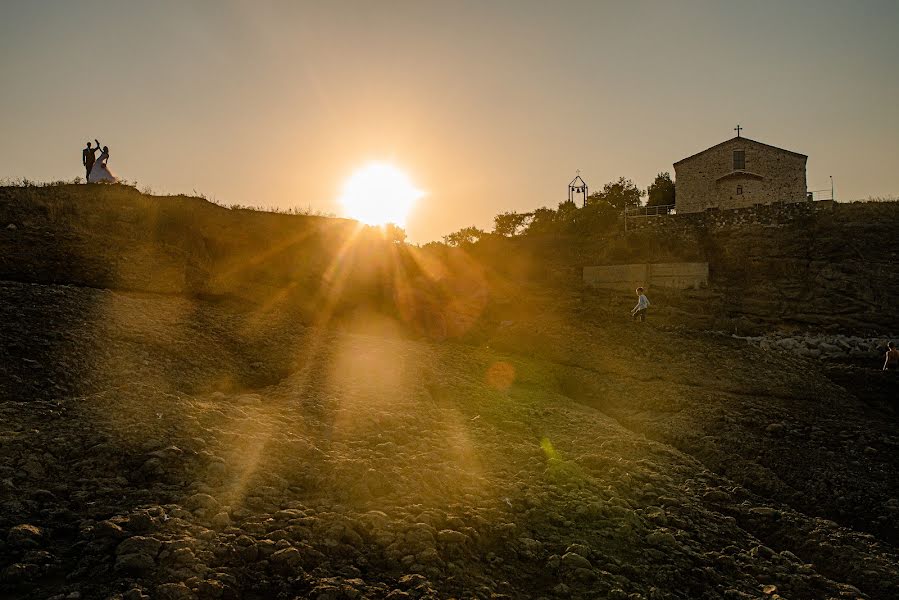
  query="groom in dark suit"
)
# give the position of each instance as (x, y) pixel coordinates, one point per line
(88, 156)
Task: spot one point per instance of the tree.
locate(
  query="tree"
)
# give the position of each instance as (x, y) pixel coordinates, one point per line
(394, 233)
(464, 237)
(595, 218)
(619, 194)
(661, 192)
(543, 220)
(567, 207)
(508, 223)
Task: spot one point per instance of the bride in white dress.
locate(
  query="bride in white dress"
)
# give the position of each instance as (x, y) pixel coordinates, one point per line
(100, 173)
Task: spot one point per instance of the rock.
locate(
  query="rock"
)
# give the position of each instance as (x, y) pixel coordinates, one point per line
(530, 548)
(765, 512)
(37, 557)
(183, 556)
(135, 564)
(174, 591)
(139, 522)
(449, 536)
(25, 536)
(139, 545)
(11, 227)
(152, 467)
(34, 469)
(410, 581)
(579, 549)
(429, 556)
(571, 560)
(108, 530)
(775, 429)
(210, 589)
(286, 561)
(220, 521)
(660, 538)
(762, 551)
(420, 533)
(716, 496)
(18, 572)
(204, 501)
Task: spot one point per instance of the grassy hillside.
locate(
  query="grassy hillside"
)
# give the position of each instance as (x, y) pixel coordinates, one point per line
(313, 268)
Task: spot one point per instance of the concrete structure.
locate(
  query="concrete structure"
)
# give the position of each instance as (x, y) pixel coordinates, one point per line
(648, 275)
(739, 173)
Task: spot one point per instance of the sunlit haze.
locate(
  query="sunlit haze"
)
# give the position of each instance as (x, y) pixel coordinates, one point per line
(489, 107)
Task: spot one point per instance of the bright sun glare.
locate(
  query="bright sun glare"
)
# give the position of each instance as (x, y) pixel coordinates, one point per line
(379, 193)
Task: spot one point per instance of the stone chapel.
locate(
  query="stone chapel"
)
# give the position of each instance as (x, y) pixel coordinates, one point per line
(739, 173)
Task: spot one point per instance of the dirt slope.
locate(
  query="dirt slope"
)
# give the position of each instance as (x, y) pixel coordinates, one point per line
(223, 404)
(164, 447)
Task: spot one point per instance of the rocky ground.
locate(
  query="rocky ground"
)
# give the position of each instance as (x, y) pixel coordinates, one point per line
(165, 448)
(826, 347)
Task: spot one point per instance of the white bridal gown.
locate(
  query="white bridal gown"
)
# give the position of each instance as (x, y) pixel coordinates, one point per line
(100, 173)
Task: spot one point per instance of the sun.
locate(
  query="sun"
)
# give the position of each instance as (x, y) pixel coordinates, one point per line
(379, 193)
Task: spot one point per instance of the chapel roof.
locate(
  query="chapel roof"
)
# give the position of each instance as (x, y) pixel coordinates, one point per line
(742, 138)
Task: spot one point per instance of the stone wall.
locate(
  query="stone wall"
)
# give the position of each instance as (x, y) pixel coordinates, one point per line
(843, 213)
(629, 277)
(708, 179)
(767, 214)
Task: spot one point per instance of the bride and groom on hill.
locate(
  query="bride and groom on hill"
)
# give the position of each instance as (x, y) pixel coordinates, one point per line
(95, 167)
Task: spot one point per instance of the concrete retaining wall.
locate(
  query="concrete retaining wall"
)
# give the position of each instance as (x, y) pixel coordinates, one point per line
(648, 275)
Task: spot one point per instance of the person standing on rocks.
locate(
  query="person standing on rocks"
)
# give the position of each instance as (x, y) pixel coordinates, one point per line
(891, 362)
(639, 311)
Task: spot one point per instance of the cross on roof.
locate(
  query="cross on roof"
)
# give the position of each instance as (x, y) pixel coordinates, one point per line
(737, 129)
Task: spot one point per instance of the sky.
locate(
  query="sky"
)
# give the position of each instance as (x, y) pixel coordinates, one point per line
(488, 106)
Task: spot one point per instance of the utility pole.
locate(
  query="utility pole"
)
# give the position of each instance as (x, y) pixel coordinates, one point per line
(831, 188)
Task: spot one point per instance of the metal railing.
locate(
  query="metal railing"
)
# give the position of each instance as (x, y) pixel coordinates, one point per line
(650, 211)
(816, 195)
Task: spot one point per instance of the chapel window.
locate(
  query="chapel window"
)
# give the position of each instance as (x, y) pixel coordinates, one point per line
(739, 160)
(739, 190)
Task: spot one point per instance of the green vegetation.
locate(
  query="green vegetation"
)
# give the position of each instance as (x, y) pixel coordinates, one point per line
(599, 216)
(661, 192)
(620, 194)
(464, 237)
